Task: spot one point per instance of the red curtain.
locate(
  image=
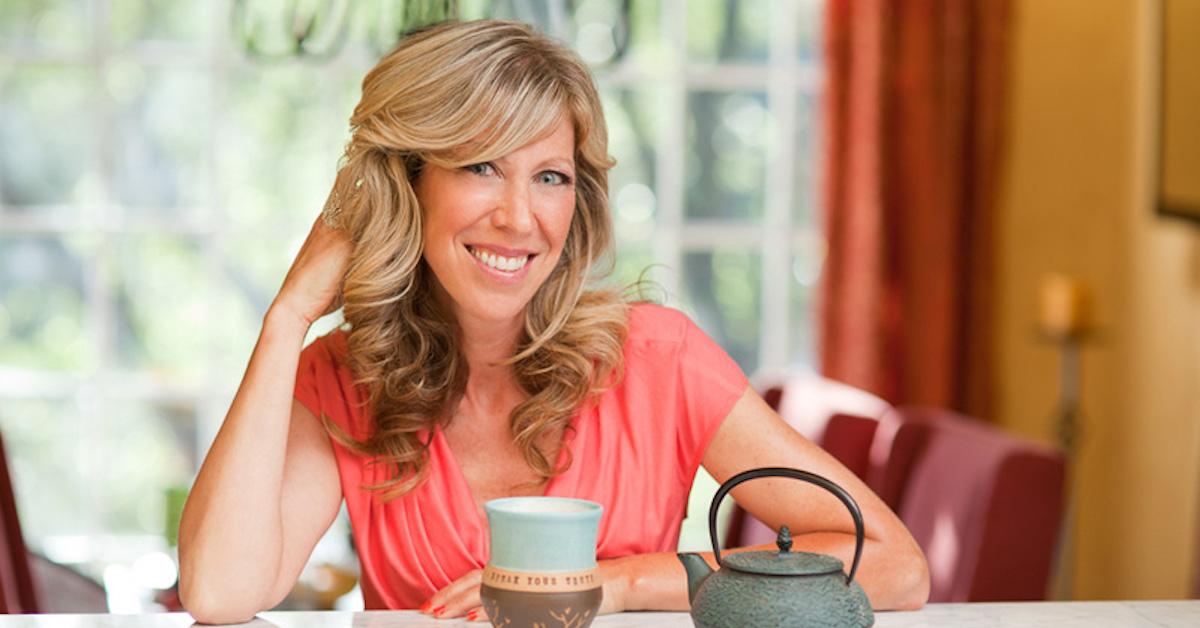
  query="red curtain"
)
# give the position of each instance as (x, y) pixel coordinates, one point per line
(912, 125)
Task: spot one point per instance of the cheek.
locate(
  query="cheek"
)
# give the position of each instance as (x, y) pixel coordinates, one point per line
(451, 213)
(433, 231)
(559, 222)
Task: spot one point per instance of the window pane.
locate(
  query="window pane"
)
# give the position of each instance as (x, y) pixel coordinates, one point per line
(48, 456)
(281, 136)
(726, 154)
(811, 14)
(161, 293)
(42, 303)
(808, 256)
(163, 137)
(133, 488)
(603, 33)
(722, 290)
(46, 118)
(59, 23)
(279, 147)
(632, 117)
(256, 263)
(728, 30)
(344, 89)
(634, 265)
(647, 43)
(804, 206)
(162, 20)
(280, 142)
(237, 307)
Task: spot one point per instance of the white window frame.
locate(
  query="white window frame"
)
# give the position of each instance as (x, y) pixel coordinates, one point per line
(784, 79)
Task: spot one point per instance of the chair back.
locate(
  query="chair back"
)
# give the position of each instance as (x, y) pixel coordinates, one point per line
(838, 417)
(66, 590)
(985, 507)
(806, 402)
(848, 438)
(899, 440)
(18, 593)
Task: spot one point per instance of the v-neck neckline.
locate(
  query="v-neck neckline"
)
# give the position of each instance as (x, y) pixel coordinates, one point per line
(458, 476)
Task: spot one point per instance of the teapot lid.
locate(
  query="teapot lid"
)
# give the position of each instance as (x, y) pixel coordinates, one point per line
(784, 562)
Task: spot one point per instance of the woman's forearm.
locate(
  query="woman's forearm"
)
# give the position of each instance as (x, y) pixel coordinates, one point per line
(893, 578)
(893, 573)
(648, 582)
(230, 537)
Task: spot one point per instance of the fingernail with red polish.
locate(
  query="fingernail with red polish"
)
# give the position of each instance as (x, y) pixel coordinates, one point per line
(472, 615)
(438, 611)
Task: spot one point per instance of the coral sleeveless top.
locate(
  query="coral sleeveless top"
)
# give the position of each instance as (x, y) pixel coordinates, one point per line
(635, 451)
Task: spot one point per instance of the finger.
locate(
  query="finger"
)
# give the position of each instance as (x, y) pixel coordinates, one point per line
(477, 614)
(461, 601)
(456, 598)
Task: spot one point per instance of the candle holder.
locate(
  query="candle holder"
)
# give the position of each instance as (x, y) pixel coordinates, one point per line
(1064, 321)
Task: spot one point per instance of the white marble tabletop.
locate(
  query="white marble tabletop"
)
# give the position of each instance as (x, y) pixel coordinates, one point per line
(1058, 614)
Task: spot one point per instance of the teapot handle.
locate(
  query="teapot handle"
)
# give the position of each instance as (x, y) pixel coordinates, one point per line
(811, 478)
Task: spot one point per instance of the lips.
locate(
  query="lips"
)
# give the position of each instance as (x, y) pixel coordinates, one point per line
(501, 262)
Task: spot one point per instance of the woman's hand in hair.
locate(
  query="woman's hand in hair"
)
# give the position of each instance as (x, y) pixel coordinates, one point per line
(313, 285)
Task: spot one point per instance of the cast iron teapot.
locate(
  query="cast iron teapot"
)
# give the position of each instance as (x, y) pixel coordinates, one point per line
(783, 588)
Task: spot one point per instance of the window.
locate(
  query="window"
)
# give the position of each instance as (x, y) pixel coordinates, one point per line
(144, 156)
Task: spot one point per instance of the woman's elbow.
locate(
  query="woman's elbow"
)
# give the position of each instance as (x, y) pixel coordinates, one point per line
(912, 580)
(206, 607)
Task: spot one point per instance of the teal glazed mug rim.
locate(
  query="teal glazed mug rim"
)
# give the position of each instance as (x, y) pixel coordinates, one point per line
(542, 534)
(585, 508)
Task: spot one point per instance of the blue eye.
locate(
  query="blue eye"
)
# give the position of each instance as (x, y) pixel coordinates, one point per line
(551, 177)
(483, 169)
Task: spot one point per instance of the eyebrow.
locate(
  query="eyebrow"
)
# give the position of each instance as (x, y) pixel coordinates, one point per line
(556, 162)
(565, 164)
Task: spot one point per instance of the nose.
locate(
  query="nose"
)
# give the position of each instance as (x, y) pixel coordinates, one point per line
(514, 210)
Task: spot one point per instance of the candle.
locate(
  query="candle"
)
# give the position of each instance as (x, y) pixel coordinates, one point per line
(1064, 306)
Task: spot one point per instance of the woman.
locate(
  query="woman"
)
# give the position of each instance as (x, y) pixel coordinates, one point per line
(478, 364)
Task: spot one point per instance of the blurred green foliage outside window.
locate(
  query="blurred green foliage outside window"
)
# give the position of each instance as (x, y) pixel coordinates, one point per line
(155, 181)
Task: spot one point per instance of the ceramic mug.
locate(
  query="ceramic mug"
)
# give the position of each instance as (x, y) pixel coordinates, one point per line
(542, 570)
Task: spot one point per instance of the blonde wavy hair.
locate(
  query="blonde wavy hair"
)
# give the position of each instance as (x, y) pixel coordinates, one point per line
(454, 94)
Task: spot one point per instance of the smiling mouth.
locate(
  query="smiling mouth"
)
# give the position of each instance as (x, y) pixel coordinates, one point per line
(499, 262)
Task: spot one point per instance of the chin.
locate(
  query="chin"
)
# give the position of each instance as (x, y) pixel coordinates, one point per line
(493, 310)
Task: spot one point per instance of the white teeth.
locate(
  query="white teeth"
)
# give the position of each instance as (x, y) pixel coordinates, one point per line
(499, 262)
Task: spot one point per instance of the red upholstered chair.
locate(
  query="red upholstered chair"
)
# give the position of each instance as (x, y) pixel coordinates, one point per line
(18, 593)
(848, 438)
(838, 417)
(807, 401)
(899, 438)
(65, 590)
(984, 505)
(30, 583)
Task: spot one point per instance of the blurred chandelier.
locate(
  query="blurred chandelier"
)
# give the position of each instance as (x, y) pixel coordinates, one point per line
(317, 30)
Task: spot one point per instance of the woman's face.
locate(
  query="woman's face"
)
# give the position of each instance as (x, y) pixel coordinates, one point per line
(495, 230)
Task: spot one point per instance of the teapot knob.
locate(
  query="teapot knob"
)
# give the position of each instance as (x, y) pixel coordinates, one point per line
(784, 540)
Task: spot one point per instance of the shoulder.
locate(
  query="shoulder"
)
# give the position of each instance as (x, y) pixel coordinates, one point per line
(661, 336)
(325, 383)
(326, 353)
(650, 323)
(332, 344)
